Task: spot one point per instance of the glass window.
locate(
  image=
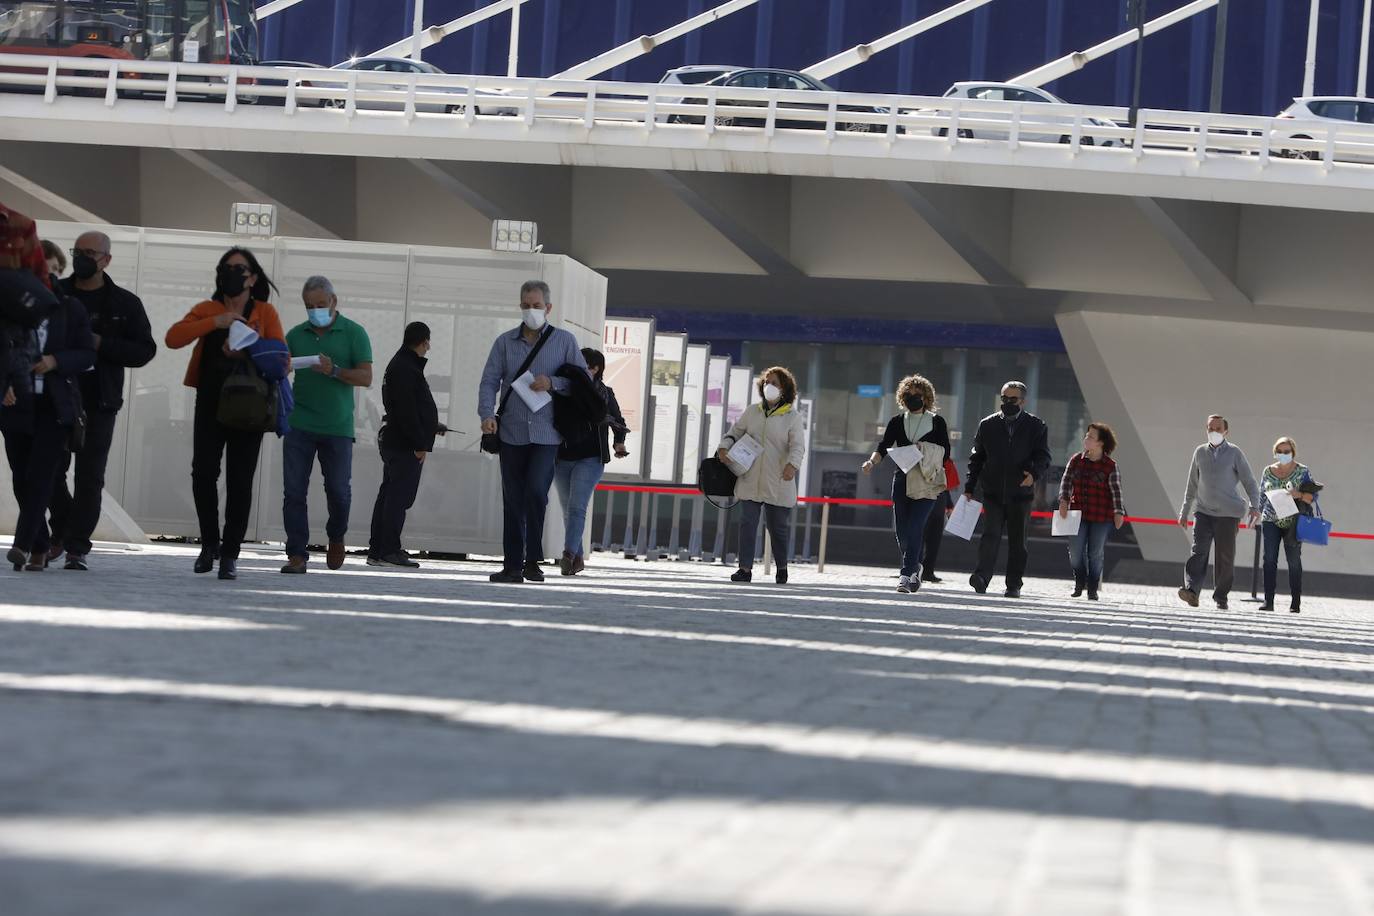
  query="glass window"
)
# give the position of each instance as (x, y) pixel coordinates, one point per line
(787, 81)
(28, 23)
(1340, 109)
(1367, 112)
(697, 77)
(1025, 95)
(751, 80)
(988, 93)
(161, 29)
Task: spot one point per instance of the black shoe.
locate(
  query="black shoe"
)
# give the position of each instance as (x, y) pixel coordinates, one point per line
(1012, 593)
(17, 558)
(532, 572)
(742, 575)
(1221, 604)
(508, 576)
(228, 568)
(206, 561)
(979, 584)
(77, 562)
(1294, 608)
(1268, 605)
(1092, 588)
(932, 578)
(400, 558)
(565, 563)
(781, 577)
(1079, 580)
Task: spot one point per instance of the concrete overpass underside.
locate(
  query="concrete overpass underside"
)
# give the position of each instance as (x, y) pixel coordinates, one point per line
(1169, 308)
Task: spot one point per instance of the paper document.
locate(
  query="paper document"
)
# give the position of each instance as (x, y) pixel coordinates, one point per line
(964, 518)
(1066, 527)
(745, 452)
(534, 400)
(906, 457)
(304, 362)
(1282, 501)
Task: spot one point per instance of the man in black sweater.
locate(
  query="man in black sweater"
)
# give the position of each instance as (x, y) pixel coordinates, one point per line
(410, 423)
(1010, 453)
(123, 340)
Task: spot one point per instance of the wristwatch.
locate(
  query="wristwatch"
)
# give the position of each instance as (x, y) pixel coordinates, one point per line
(334, 371)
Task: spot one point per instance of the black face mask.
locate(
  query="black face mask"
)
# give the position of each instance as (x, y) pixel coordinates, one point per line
(1010, 408)
(914, 402)
(231, 281)
(84, 267)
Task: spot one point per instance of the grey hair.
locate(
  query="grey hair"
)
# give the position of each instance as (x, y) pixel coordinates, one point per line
(100, 237)
(530, 286)
(317, 282)
(1015, 384)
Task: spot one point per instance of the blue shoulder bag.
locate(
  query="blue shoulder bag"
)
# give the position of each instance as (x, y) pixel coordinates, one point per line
(1313, 529)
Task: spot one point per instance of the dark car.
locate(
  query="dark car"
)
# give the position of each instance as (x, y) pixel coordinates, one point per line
(765, 78)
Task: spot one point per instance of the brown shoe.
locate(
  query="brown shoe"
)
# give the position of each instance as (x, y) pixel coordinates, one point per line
(295, 565)
(565, 564)
(1187, 597)
(335, 557)
(578, 565)
(55, 552)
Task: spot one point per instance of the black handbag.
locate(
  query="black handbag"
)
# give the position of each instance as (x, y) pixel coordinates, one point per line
(491, 442)
(716, 480)
(247, 401)
(76, 436)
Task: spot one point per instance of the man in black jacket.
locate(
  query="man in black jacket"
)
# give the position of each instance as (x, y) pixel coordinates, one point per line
(410, 423)
(123, 340)
(1010, 453)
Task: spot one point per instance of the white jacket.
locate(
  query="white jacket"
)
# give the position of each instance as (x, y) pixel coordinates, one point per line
(781, 436)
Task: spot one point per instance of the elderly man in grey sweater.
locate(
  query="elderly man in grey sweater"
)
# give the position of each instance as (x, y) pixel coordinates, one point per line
(1218, 473)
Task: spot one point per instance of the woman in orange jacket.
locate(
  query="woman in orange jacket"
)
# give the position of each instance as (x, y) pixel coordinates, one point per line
(241, 291)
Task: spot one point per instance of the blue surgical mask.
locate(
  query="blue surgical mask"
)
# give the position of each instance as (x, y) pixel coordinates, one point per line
(1283, 458)
(320, 318)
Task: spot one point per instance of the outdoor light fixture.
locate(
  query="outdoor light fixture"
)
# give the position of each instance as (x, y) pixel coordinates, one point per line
(514, 235)
(253, 219)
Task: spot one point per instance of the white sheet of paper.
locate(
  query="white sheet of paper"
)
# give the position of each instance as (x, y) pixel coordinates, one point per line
(905, 456)
(304, 362)
(534, 400)
(1283, 502)
(1066, 527)
(745, 452)
(964, 519)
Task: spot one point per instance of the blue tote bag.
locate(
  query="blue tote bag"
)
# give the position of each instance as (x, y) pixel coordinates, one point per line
(1313, 529)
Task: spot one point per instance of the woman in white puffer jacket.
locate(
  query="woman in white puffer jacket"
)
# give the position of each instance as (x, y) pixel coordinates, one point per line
(769, 486)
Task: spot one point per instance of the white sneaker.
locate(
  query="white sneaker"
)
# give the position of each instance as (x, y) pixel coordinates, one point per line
(904, 584)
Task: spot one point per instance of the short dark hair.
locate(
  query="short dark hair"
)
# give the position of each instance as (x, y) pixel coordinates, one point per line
(788, 383)
(595, 359)
(51, 251)
(261, 289)
(417, 332)
(530, 286)
(1105, 435)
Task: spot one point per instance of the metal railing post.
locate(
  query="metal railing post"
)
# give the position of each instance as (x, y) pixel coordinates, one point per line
(825, 535)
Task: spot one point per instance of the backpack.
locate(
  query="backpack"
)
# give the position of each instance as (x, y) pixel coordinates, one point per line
(247, 401)
(579, 415)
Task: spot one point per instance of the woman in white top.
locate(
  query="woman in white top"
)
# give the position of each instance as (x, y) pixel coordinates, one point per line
(769, 485)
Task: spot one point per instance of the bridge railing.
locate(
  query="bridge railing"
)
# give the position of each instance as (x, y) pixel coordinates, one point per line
(692, 113)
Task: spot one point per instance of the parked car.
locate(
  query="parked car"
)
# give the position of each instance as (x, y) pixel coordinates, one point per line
(1311, 118)
(763, 78)
(490, 99)
(1035, 127)
(285, 65)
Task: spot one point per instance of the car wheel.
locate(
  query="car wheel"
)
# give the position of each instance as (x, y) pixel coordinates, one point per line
(964, 133)
(458, 109)
(859, 128)
(724, 121)
(1308, 154)
(334, 103)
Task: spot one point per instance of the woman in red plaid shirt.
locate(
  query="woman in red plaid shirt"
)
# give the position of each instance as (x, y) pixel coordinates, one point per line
(1092, 485)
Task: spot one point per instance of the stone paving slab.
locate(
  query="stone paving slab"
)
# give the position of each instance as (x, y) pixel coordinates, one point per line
(649, 738)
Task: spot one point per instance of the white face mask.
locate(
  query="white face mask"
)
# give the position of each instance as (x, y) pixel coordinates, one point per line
(771, 392)
(533, 318)
(1216, 438)
(1283, 457)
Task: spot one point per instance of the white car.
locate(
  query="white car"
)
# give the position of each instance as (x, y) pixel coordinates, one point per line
(695, 75)
(1311, 118)
(489, 103)
(1036, 128)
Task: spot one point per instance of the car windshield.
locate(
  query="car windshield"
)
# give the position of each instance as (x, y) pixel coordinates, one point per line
(698, 77)
(243, 31)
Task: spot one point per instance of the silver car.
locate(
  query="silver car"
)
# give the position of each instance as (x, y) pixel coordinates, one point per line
(1035, 127)
(490, 100)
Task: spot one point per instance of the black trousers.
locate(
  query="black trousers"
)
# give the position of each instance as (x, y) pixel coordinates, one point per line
(935, 533)
(35, 456)
(400, 483)
(74, 515)
(1014, 519)
(1209, 530)
(239, 451)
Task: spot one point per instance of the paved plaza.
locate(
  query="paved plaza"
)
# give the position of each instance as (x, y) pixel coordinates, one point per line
(651, 739)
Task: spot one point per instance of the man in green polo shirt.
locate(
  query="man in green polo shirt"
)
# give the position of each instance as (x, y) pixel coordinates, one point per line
(322, 421)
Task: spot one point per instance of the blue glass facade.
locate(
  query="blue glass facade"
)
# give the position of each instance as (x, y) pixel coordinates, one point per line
(1266, 43)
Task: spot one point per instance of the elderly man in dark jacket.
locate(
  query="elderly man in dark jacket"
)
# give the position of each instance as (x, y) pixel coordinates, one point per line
(123, 340)
(38, 421)
(409, 426)
(1010, 453)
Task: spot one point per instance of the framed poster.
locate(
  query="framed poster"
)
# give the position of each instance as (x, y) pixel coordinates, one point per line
(694, 399)
(717, 383)
(737, 395)
(807, 408)
(628, 344)
(665, 384)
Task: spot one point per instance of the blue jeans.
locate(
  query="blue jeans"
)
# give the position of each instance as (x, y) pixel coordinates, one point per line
(1292, 548)
(298, 452)
(576, 482)
(909, 518)
(526, 475)
(1088, 547)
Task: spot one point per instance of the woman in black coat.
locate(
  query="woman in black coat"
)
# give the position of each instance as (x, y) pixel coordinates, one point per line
(917, 422)
(37, 421)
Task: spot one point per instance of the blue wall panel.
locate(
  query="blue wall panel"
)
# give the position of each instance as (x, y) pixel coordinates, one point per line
(1266, 43)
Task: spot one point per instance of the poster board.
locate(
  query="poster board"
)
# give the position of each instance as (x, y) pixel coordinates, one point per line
(737, 393)
(807, 407)
(694, 399)
(717, 385)
(628, 344)
(665, 384)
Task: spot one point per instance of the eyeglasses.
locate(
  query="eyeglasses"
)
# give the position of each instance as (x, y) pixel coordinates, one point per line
(90, 253)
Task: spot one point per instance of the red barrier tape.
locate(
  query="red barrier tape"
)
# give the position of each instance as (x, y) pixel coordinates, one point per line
(886, 503)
